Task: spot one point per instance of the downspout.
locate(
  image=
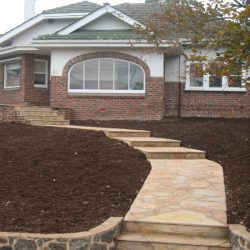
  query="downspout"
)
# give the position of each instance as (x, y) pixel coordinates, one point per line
(179, 87)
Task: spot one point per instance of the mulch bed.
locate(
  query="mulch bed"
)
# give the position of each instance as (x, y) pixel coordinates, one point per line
(226, 141)
(56, 180)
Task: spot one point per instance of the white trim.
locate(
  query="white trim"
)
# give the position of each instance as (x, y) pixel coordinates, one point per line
(206, 87)
(5, 77)
(65, 15)
(98, 91)
(45, 86)
(10, 60)
(33, 21)
(94, 43)
(89, 91)
(96, 14)
(14, 49)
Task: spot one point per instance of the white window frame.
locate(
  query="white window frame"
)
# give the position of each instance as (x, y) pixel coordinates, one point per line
(7, 62)
(44, 86)
(100, 91)
(206, 77)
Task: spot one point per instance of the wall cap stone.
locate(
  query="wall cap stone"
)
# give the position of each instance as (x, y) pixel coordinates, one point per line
(239, 230)
(109, 224)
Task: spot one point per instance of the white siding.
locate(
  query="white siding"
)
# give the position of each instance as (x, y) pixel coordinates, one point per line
(59, 58)
(107, 22)
(42, 28)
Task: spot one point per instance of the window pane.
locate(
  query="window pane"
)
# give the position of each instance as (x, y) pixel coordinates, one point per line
(215, 81)
(106, 73)
(40, 66)
(121, 75)
(76, 77)
(13, 75)
(136, 77)
(91, 74)
(234, 81)
(196, 75)
(40, 79)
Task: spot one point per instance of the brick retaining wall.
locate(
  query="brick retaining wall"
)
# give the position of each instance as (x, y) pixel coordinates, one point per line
(8, 114)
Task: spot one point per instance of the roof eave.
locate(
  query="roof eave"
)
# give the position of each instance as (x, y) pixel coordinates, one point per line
(94, 43)
(33, 21)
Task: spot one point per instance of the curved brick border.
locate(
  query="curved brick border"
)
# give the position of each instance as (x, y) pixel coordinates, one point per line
(239, 237)
(105, 54)
(98, 238)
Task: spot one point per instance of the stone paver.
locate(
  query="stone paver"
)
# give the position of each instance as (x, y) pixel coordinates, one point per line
(183, 192)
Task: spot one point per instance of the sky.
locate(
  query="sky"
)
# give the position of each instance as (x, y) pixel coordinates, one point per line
(11, 11)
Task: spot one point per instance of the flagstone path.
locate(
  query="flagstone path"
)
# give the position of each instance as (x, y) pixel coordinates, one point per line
(182, 204)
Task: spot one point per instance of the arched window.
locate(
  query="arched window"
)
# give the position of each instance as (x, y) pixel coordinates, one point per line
(106, 75)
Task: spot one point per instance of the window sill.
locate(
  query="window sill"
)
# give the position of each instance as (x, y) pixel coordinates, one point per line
(243, 90)
(40, 87)
(73, 94)
(11, 88)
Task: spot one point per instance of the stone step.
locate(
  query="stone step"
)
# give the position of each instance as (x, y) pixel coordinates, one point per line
(149, 142)
(136, 241)
(171, 153)
(36, 122)
(127, 133)
(43, 118)
(35, 112)
(33, 108)
(176, 229)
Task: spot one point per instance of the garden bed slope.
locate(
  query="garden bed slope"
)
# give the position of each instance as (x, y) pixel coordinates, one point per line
(56, 180)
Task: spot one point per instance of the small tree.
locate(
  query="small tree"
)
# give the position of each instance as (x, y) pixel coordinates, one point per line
(218, 25)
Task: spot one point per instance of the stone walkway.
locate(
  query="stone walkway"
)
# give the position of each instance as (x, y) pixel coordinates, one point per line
(182, 203)
(187, 192)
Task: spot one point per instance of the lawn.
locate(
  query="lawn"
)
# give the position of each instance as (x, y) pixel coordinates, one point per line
(56, 180)
(226, 141)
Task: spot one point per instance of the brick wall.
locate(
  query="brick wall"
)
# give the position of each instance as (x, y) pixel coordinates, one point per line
(136, 107)
(206, 104)
(8, 114)
(10, 96)
(33, 95)
(26, 93)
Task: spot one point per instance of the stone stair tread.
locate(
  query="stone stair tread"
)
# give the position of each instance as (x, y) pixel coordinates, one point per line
(107, 129)
(173, 239)
(149, 141)
(206, 231)
(146, 139)
(168, 149)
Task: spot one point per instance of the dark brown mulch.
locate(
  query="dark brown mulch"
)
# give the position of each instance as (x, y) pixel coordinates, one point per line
(56, 180)
(226, 141)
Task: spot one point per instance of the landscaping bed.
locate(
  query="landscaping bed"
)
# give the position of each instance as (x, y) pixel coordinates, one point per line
(226, 141)
(56, 180)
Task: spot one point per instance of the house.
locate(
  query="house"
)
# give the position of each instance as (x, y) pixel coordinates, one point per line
(80, 58)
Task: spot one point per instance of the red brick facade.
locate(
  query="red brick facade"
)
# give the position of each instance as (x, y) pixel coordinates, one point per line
(26, 93)
(141, 107)
(204, 103)
(169, 99)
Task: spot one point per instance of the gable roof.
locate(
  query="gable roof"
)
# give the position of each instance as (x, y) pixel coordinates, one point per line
(105, 9)
(138, 11)
(84, 6)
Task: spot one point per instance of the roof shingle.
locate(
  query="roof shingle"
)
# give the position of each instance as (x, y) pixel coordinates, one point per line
(81, 7)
